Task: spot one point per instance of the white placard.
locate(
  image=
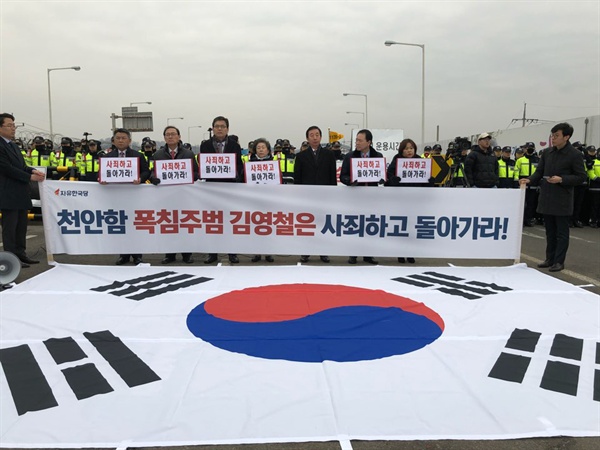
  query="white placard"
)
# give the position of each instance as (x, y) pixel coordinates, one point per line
(367, 170)
(119, 170)
(217, 165)
(174, 171)
(262, 172)
(413, 170)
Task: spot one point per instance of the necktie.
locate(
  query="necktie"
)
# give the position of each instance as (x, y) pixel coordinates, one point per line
(172, 154)
(121, 154)
(220, 147)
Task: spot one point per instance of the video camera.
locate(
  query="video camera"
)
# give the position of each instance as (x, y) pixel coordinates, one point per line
(456, 147)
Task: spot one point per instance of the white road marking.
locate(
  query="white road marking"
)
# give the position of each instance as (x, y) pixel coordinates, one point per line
(576, 275)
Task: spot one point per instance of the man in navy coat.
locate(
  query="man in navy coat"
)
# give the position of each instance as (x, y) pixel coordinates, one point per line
(15, 197)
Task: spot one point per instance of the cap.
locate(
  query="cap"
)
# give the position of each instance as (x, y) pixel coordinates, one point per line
(507, 149)
(590, 148)
(437, 147)
(286, 143)
(497, 148)
(484, 136)
(577, 144)
(427, 147)
(529, 145)
(38, 140)
(65, 141)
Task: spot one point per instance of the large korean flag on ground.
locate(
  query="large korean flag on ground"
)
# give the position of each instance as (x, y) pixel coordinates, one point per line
(146, 356)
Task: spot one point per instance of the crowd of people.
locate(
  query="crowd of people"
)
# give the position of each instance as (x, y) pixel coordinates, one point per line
(479, 165)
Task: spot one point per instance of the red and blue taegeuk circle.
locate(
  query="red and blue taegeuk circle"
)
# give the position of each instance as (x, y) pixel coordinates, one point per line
(315, 323)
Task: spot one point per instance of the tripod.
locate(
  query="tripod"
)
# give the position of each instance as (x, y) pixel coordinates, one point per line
(454, 179)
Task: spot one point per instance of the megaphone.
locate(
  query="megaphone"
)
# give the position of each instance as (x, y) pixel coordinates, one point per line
(10, 266)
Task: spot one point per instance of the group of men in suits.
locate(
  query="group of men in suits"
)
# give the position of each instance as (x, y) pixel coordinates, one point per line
(314, 166)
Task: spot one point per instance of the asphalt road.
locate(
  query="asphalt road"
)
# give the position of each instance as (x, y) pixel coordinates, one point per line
(582, 269)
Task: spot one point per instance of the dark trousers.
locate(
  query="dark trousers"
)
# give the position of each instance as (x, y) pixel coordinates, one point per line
(557, 238)
(14, 230)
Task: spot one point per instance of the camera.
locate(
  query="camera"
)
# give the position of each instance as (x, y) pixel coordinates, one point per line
(456, 148)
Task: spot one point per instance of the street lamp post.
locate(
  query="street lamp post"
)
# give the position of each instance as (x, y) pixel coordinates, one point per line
(173, 118)
(194, 126)
(346, 94)
(358, 112)
(77, 68)
(139, 103)
(388, 43)
(357, 125)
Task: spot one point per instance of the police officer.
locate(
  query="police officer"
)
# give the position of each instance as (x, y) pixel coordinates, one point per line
(592, 162)
(525, 167)
(506, 169)
(91, 160)
(40, 154)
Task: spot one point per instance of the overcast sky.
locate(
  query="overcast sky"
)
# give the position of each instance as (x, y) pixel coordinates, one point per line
(274, 68)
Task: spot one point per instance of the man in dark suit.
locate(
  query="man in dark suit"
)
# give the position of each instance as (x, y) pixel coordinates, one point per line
(315, 165)
(121, 149)
(15, 198)
(364, 149)
(221, 142)
(174, 149)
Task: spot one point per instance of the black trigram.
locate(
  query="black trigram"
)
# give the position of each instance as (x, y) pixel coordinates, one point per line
(448, 284)
(28, 384)
(559, 376)
(151, 285)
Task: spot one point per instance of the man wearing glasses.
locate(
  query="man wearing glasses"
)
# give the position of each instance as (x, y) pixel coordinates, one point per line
(560, 169)
(15, 198)
(221, 142)
(174, 149)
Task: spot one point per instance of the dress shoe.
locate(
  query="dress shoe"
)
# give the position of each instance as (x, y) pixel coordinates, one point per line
(411, 260)
(304, 259)
(578, 224)
(402, 260)
(256, 258)
(188, 260)
(24, 265)
(122, 260)
(27, 260)
(233, 259)
(137, 261)
(211, 258)
(370, 260)
(557, 267)
(168, 260)
(269, 258)
(352, 260)
(544, 264)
